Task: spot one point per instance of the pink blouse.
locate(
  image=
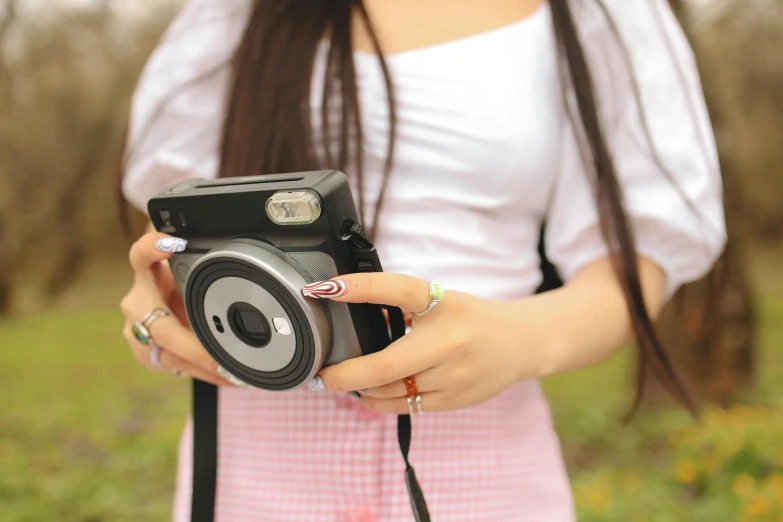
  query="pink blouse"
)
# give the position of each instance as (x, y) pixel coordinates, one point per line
(485, 153)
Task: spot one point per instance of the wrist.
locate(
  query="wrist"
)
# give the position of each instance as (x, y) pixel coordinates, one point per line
(541, 335)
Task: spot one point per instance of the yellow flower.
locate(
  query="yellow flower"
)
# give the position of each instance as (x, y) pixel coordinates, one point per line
(711, 462)
(597, 500)
(631, 481)
(744, 485)
(714, 416)
(596, 494)
(757, 506)
(775, 485)
(686, 471)
(677, 439)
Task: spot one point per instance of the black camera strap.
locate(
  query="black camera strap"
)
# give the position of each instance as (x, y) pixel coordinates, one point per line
(356, 235)
(415, 494)
(205, 434)
(205, 421)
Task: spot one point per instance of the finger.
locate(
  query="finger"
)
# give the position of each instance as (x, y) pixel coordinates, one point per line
(428, 381)
(409, 293)
(170, 362)
(392, 390)
(169, 333)
(411, 355)
(153, 248)
(407, 316)
(430, 402)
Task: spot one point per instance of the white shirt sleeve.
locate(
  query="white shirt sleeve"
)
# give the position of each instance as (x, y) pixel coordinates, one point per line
(177, 109)
(678, 222)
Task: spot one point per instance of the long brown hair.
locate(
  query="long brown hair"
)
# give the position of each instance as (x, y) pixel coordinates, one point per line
(268, 127)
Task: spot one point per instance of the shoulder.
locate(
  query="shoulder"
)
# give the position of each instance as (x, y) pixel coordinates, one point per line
(213, 16)
(178, 104)
(202, 36)
(189, 68)
(645, 27)
(637, 51)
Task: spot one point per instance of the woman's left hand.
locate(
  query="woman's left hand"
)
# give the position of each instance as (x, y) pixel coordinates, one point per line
(464, 352)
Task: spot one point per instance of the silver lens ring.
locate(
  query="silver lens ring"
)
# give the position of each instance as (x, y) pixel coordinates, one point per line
(265, 279)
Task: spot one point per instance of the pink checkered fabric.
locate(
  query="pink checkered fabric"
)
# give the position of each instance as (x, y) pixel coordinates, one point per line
(305, 456)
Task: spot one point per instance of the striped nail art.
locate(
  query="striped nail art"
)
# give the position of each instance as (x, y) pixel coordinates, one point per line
(171, 245)
(325, 289)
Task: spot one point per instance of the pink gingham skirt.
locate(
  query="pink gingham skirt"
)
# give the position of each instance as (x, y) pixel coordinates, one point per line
(305, 456)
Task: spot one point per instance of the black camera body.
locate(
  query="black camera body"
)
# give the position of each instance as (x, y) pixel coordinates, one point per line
(253, 243)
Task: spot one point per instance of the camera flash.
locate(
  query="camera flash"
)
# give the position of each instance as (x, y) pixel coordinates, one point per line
(293, 208)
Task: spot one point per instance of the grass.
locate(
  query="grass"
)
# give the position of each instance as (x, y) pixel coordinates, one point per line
(631, 472)
(86, 435)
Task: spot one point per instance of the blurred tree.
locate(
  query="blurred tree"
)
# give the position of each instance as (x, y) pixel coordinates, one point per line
(65, 85)
(6, 267)
(6, 280)
(67, 74)
(708, 328)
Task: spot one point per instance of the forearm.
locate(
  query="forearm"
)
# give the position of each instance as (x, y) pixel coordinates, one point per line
(587, 320)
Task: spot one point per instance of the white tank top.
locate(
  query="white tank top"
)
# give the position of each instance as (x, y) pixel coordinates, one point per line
(485, 151)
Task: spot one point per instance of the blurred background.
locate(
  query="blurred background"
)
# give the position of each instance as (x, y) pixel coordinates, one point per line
(87, 435)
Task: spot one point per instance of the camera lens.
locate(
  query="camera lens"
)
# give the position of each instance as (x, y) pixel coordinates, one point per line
(249, 324)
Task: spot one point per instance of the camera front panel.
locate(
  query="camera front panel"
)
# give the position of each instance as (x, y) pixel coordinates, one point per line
(251, 304)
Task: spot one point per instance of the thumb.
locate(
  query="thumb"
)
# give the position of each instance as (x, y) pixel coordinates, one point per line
(153, 248)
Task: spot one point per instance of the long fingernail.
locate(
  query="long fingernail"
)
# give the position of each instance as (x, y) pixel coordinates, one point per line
(171, 245)
(316, 384)
(230, 378)
(325, 289)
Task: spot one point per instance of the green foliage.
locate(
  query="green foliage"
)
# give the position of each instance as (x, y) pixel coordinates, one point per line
(88, 435)
(735, 454)
(665, 467)
(85, 433)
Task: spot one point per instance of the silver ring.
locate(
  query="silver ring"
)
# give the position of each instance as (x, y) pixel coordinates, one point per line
(141, 329)
(436, 296)
(153, 315)
(177, 372)
(419, 407)
(411, 410)
(155, 354)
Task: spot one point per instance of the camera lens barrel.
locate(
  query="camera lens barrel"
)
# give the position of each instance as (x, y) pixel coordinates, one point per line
(245, 304)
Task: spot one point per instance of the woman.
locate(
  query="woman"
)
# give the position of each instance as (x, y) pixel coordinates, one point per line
(463, 126)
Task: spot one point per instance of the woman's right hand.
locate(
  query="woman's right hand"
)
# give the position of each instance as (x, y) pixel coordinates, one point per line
(153, 287)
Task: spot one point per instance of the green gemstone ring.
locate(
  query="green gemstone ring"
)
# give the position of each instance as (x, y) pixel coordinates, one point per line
(141, 329)
(141, 333)
(436, 296)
